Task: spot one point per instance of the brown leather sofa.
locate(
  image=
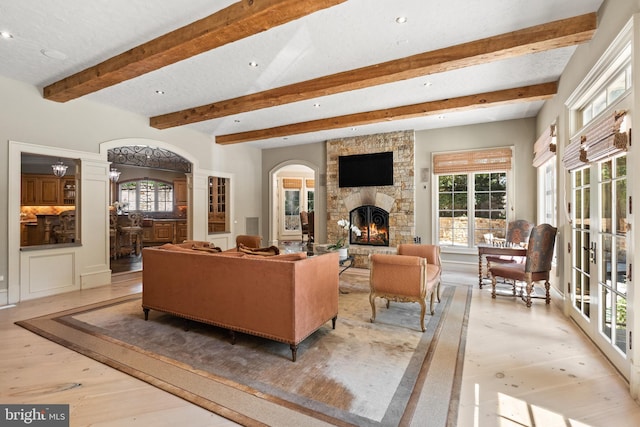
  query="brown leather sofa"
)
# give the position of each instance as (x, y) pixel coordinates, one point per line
(274, 297)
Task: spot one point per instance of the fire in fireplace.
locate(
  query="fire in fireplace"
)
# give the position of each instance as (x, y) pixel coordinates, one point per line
(373, 223)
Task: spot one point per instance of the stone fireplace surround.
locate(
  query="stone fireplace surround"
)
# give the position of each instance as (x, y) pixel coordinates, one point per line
(397, 199)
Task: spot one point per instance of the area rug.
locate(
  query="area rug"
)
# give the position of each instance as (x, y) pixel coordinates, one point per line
(386, 373)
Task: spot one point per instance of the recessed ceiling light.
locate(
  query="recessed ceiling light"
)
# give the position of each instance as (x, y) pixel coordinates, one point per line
(53, 54)
(441, 117)
(354, 129)
(427, 84)
(401, 19)
(316, 105)
(159, 92)
(6, 35)
(253, 64)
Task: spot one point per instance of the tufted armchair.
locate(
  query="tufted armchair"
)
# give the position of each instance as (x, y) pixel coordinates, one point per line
(410, 276)
(536, 267)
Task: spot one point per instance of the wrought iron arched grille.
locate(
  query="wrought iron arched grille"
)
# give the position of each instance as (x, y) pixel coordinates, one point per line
(148, 157)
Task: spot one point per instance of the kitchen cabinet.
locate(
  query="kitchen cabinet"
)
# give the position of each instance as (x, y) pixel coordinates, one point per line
(180, 191)
(48, 190)
(163, 231)
(181, 231)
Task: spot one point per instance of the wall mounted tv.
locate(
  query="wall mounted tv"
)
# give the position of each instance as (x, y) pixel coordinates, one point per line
(365, 170)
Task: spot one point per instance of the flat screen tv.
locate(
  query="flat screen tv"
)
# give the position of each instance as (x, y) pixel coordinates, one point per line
(365, 170)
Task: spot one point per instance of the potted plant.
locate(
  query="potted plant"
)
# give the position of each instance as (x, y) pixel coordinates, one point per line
(342, 245)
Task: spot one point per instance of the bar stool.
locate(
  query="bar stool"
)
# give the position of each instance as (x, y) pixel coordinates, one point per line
(132, 233)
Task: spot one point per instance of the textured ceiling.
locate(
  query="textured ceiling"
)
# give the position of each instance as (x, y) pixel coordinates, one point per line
(77, 34)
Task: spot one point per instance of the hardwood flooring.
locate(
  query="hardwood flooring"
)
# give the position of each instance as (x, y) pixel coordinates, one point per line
(523, 367)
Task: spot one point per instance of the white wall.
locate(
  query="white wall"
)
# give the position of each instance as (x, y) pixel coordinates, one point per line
(81, 126)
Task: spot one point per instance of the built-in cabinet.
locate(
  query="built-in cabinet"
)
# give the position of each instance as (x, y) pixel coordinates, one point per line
(180, 191)
(47, 190)
(218, 200)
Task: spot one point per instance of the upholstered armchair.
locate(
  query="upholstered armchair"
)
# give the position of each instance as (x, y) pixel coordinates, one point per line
(536, 266)
(518, 232)
(248, 240)
(410, 276)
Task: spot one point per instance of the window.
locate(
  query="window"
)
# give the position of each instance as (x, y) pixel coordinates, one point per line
(146, 195)
(616, 82)
(472, 195)
(481, 196)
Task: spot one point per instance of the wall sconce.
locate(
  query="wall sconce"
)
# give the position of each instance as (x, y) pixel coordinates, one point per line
(59, 169)
(114, 175)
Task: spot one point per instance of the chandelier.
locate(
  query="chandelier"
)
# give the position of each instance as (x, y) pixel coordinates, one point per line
(114, 175)
(59, 169)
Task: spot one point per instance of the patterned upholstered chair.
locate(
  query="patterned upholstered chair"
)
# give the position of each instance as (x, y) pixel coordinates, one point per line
(304, 224)
(536, 266)
(410, 276)
(518, 232)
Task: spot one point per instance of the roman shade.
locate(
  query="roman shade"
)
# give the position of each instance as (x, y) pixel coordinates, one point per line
(545, 147)
(600, 140)
(292, 183)
(493, 159)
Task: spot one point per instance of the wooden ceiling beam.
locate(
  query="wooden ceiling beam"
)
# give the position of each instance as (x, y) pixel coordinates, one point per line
(552, 35)
(490, 99)
(240, 20)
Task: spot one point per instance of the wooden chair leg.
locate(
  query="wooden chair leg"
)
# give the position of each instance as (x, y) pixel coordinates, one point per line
(528, 296)
(423, 309)
(547, 287)
(493, 286)
(372, 301)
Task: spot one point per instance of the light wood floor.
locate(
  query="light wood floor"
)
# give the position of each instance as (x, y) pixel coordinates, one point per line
(523, 367)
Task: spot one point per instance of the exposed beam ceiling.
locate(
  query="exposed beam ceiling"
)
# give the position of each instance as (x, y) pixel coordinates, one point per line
(552, 35)
(240, 20)
(523, 94)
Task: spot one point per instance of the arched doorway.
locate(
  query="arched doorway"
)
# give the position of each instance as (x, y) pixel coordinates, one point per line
(293, 190)
(152, 181)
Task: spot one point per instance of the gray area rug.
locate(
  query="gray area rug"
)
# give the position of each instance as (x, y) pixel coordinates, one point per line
(386, 373)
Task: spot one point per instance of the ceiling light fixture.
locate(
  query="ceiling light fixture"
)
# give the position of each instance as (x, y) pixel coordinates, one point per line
(6, 35)
(253, 64)
(59, 169)
(401, 20)
(53, 54)
(114, 175)
(316, 105)
(159, 92)
(428, 84)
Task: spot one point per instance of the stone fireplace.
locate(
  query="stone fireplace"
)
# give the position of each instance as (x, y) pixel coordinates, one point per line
(396, 200)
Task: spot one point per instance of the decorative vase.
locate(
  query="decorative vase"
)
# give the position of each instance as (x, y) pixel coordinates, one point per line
(344, 253)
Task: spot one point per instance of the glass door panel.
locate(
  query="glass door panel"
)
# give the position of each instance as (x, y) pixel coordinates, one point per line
(612, 258)
(581, 260)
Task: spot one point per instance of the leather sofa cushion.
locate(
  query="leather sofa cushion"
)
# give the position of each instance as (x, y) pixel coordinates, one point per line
(270, 251)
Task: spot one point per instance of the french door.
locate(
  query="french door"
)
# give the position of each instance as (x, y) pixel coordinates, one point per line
(294, 198)
(599, 256)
